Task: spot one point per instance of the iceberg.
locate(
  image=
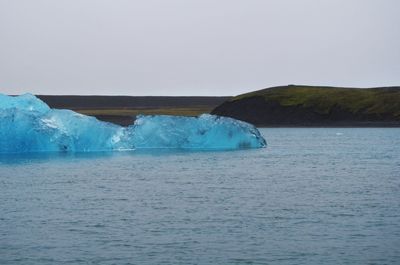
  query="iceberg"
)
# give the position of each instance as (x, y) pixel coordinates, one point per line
(27, 124)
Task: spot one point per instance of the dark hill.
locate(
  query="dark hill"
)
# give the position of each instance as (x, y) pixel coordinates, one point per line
(316, 106)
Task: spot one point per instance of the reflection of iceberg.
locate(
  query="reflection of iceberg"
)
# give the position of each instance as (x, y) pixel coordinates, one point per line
(28, 125)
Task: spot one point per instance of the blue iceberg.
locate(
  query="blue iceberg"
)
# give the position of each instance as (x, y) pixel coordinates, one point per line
(27, 124)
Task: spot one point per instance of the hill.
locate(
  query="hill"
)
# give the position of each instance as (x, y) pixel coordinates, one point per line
(298, 105)
(123, 109)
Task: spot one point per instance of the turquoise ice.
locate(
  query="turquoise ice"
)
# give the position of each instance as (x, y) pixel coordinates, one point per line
(27, 124)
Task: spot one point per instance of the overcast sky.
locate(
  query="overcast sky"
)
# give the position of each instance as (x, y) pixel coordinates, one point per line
(195, 47)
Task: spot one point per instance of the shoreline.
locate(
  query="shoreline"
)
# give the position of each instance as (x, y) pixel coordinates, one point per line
(128, 120)
(333, 125)
(122, 110)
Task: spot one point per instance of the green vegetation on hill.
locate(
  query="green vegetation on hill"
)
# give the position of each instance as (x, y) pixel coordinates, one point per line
(295, 105)
(371, 101)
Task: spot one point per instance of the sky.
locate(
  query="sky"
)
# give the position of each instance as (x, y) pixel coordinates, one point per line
(195, 47)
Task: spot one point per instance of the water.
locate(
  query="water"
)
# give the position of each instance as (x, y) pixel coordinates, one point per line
(314, 196)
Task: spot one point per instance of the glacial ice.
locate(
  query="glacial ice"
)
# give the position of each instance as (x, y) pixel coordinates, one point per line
(27, 124)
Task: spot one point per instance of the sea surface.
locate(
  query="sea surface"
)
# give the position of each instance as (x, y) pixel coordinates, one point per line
(313, 196)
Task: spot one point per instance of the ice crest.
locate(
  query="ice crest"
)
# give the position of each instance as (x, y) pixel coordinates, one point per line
(25, 102)
(27, 124)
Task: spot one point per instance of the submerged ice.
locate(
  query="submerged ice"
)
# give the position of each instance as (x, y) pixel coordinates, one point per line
(27, 124)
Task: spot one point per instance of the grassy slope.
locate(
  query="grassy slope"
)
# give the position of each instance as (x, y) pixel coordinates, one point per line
(323, 99)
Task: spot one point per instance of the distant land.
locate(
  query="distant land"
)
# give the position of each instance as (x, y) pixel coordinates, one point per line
(298, 105)
(124, 109)
(283, 106)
